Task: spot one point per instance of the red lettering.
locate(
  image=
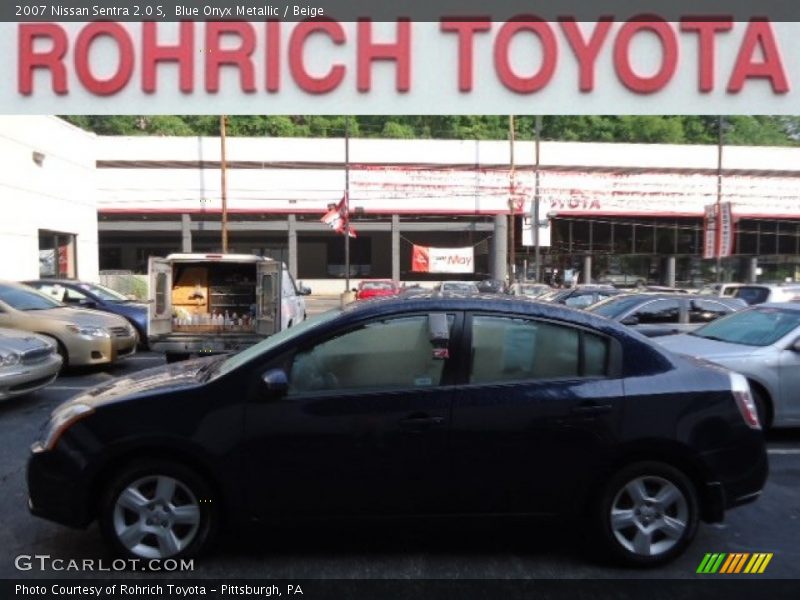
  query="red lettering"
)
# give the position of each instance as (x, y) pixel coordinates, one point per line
(87, 36)
(315, 84)
(239, 57)
(502, 60)
(706, 32)
(52, 59)
(399, 51)
(181, 53)
(273, 56)
(586, 52)
(759, 34)
(466, 33)
(622, 55)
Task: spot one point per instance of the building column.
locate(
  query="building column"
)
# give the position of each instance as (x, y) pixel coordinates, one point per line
(291, 228)
(186, 233)
(396, 247)
(752, 270)
(587, 268)
(670, 277)
(499, 252)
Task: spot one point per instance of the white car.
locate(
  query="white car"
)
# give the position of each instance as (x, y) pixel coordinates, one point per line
(28, 362)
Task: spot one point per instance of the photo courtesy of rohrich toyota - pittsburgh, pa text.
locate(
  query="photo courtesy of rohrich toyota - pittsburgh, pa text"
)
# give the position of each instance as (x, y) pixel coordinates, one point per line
(366, 300)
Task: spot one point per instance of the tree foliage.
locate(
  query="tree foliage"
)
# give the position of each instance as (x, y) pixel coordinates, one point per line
(668, 129)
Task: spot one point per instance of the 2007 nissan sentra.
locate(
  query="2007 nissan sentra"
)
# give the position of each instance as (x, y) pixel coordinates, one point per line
(421, 406)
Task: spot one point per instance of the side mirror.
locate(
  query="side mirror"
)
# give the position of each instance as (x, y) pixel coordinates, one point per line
(304, 291)
(630, 321)
(795, 347)
(89, 304)
(276, 383)
(354, 290)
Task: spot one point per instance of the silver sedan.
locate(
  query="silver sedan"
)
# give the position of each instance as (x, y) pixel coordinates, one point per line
(27, 362)
(763, 344)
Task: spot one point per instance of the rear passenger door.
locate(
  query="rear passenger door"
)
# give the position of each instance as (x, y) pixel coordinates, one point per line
(535, 415)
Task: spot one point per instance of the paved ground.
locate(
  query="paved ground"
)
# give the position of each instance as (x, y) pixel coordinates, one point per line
(399, 550)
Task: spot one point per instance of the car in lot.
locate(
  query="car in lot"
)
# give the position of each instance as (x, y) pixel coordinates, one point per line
(665, 314)
(531, 290)
(492, 286)
(580, 296)
(759, 293)
(438, 405)
(469, 288)
(763, 344)
(82, 336)
(82, 294)
(28, 362)
(376, 288)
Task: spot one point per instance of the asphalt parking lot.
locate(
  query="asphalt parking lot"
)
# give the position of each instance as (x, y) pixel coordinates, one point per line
(504, 549)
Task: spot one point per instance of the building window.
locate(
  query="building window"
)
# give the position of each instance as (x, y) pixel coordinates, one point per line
(57, 255)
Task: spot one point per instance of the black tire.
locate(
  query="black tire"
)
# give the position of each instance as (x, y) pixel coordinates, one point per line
(195, 538)
(762, 408)
(663, 548)
(173, 357)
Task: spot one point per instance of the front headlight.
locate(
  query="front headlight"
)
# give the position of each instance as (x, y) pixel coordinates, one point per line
(61, 420)
(89, 331)
(9, 359)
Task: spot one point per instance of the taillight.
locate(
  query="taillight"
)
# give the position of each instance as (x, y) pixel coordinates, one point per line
(744, 400)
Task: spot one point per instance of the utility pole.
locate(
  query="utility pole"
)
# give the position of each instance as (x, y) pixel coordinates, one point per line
(347, 203)
(719, 196)
(511, 200)
(223, 183)
(536, 198)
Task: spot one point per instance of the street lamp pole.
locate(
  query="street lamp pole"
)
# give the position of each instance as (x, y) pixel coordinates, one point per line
(511, 200)
(223, 182)
(536, 198)
(719, 197)
(347, 203)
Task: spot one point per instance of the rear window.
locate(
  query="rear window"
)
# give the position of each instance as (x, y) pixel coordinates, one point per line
(376, 285)
(752, 294)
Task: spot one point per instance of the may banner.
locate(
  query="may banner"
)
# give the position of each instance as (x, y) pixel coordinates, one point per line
(442, 260)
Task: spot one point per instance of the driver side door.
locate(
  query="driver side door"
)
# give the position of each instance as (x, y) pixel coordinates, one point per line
(363, 426)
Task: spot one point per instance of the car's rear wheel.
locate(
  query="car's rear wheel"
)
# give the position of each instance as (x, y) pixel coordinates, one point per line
(158, 510)
(647, 514)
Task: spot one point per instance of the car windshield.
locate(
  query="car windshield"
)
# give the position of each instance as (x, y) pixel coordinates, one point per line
(236, 360)
(755, 327)
(532, 290)
(377, 285)
(463, 288)
(103, 292)
(22, 299)
(614, 306)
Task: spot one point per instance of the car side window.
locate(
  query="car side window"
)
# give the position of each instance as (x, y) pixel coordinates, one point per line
(289, 288)
(74, 296)
(705, 311)
(509, 349)
(56, 292)
(383, 355)
(580, 301)
(659, 311)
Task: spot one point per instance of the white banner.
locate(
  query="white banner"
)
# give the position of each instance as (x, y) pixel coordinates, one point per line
(726, 236)
(710, 230)
(443, 260)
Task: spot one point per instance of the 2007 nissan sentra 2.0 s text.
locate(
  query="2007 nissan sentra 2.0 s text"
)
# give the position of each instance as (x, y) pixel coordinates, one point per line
(430, 405)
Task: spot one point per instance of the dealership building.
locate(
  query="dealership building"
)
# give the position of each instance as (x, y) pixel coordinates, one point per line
(609, 212)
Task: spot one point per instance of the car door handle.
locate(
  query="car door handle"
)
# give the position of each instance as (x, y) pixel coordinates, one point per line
(420, 422)
(591, 409)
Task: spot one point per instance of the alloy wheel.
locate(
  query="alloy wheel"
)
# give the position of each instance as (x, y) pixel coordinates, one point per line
(649, 516)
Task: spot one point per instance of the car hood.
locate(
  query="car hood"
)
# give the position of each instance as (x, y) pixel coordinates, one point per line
(19, 341)
(693, 345)
(78, 316)
(159, 379)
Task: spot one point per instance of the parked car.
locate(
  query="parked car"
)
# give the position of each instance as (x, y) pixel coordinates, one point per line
(28, 362)
(580, 296)
(720, 289)
(492, 286)
(531, 290)
(410, 406)
(763, 344)
(665, 314)
(759, 293)
(469, 288)
(376, 288)
(82, 336)
(100, 297)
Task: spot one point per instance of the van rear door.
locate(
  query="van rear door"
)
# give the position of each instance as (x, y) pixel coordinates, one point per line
(160, 312)
(268, 297)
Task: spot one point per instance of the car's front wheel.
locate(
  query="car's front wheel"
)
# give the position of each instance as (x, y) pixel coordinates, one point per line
(647, 514)
(158, 510)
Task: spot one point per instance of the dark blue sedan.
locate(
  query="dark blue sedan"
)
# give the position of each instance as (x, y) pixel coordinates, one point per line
(414, 406)
(99, 297)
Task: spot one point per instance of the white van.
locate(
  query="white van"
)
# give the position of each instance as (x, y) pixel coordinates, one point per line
(216, 303)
